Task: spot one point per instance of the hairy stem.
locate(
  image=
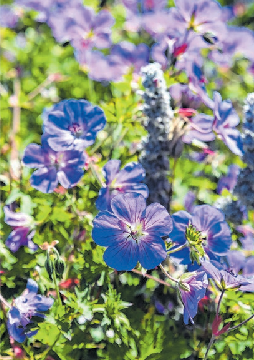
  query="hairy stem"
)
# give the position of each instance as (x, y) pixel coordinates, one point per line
(177, 249)
(151, 277)
(209, 346)
(242, 323)
(167, 274)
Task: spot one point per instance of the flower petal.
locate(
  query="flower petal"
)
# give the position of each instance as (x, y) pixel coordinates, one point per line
(157, 220)
(128, 207)
(152, 252)
(33, 156)
(122, 256)
(44, 179)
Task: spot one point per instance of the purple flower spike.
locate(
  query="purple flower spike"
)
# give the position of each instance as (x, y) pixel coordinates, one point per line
(121, 181)
(225, 122)
(25, 307)
(225, 279)
(73, 124)
(21, 234)
(212, 225)
(192, 289)
(132, 232)
(66, 167)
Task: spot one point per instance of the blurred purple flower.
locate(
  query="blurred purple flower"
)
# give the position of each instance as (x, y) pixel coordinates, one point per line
(9, 16)
(202, 156)
(210, 222)
(229, 181)
(200, 127)
(132, 232)
(226, 279)
(184, 97)
(132, 56)
(121, 181)
(148, 14)
(225, 122)
(21, 235)
(84, 28)
(73, 124)
(192, 288)
(189, 200)
(66, 167)
(25, 307)
(100, 67)
(248, 239)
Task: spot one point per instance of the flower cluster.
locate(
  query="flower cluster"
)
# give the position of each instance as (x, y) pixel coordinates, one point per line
(69, 127)
(26, 306)
(155, 149)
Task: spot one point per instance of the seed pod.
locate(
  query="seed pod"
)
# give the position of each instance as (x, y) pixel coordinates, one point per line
(49, 267)
(59, 266)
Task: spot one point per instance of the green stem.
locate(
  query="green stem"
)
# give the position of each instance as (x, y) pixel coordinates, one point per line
(151, 277)
(209, 347)
(4, 301)
(95, 174)
(242, 323)
(56, 288)
(167, 274)
(177, 249)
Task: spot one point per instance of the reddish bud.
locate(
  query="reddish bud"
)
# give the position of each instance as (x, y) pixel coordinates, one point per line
(215, 326)
(180, 50)
(18, 352)
(60, 190)
(187, 112)
(69, 283)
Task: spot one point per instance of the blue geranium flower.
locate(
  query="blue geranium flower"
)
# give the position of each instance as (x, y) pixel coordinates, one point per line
(25, 307)
(214, 230)
(132, 232)
(121, 181)
(66, 167)
(73, 124)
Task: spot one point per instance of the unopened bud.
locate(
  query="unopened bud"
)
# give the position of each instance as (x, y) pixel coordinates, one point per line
(49, 267)
(59, 266)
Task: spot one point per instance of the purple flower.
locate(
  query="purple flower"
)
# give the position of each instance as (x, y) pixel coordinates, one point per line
(225, 279)
(73, 124)
(121, 181)
(100, 67)
(9, 16)
(228, 182)
(25, 307)
(248, 239)
(21, 235)
(192, 288)
(200, 127)
(132, 232)
(189, 200)
(84, 28)
(132, 56)
(66, 167)
(184, 97)
(210, 222)
(225, 122)
(193, 15)
(147, 14)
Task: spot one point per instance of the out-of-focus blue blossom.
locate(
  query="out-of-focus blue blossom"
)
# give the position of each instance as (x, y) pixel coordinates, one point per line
(84, 28)
(229, 181)
(248, 239)
(233, 210)
(226, 279)
(193, 16)
(192, 288)
(121, 181)
(200, 127)
(225, 122)
(25, 307)
(237, 41)
(148, 14)
(9, 16)
(100, 67)
(189, 201)
(183, 96)
(132, 232)
(73, 124)
(210, 222)
(21, 235)
(66, 167)
(133, 57)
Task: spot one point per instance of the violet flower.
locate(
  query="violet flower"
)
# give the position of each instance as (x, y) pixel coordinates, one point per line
(192, 287)
(225, 279)
(25, 307)
(183, 96)
(215, 232)
(66, 167)
(225, 122)
(121, 181)
(21, 234)
(248, 239)
(200, 127)
(132, 56)
(73, 124)
(132, 232)
(229, 181)
(9, 16)
(189, 201)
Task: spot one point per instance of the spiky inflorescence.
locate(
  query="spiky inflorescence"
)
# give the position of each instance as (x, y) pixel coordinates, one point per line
(245, 181)
(155, 148)
(233, 210)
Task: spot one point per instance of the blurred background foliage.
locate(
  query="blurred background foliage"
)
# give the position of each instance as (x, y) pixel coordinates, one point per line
(106, 314)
